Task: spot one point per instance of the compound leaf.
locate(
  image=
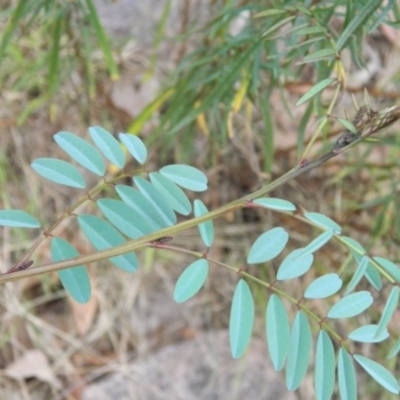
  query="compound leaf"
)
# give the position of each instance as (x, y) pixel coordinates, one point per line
(59, 171)
(18, 219)
(186, 176)
(102, 235)
(81, 151)
(241, 319)
(191, 280)
(75, 280)
(351, 305)
(299, 351)
(324, 378)
(135, 146)
(268, 246)
(277, 331)
(108, 145)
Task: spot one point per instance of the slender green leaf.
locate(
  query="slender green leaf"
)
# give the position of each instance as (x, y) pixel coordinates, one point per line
(186, 176)
(206, 229)
(241, 319)
(360, 272)
(299, 351)
(191, 280)
(81, 151)
(103, 41)
(268, 246)
(276, 26)
(388, 311)
(173, 194)
(309, 30)
(324, 378)
(382, 16)
(276, 204)
(294, 265)
(103, 235)
(59, 171)
(108, 145)
(135, 146)
(18, 219)
(318, 87)
(124, 218)
(75, 280)
(348, 125)
(323, 287)
(379, 373)
(323, 221)
(351, 305)
(358, 21)
(271, 11)
(277, 331)
(319, 55)
(155, 197)
(368, 334)
(346, 376)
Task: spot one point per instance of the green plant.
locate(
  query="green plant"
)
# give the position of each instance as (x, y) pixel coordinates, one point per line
(146, 215)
